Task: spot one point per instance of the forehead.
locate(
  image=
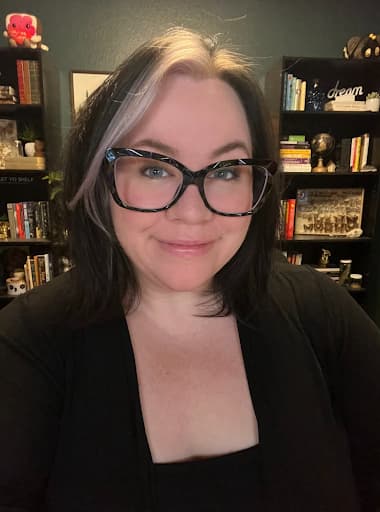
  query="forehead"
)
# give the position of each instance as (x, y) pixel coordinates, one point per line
(202, 113)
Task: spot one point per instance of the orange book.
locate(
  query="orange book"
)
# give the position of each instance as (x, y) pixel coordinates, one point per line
(290, 220)
(20, 82)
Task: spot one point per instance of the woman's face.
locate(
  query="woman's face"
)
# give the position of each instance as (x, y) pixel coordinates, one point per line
(197, 122)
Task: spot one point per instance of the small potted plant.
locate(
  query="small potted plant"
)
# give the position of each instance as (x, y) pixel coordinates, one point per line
(373, 101)
(28, 135)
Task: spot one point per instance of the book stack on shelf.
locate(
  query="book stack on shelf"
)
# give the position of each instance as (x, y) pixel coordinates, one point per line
(28, 78)
(345, 103)
(294, 92)
(29, 220)
(37, 270)
(295, 154)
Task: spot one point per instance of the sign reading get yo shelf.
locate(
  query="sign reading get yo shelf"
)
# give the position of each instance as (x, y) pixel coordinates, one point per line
(356, 90)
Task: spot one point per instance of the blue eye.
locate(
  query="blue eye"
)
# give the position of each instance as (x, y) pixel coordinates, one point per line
(155, 173)
(226, 174)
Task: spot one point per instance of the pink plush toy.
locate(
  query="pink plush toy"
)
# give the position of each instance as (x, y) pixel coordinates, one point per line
(23, 29)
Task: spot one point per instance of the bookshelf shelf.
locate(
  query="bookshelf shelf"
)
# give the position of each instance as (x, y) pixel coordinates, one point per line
(20, 172)
(29, 241)
(7, 108)
(340, 113)
(335, 77)
(325, 240)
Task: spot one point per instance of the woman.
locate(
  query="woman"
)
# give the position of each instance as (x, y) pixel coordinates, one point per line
(177, 367)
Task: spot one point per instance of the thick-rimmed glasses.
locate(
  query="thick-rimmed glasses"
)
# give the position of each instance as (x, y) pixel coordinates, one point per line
(150, 182)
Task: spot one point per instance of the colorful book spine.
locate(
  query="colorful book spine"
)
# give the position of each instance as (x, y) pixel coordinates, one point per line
(303, 96)
(20, 220)
(20, 82)
(12, 220)
(289, 91)
(364, 152)
(355, 167)
(35, 82)
(290, 219)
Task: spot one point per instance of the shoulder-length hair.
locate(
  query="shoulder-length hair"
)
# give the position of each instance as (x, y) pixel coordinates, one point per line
(105, 276)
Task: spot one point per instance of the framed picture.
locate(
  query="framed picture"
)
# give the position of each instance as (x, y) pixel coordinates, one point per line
(328, 211)
(83, 84)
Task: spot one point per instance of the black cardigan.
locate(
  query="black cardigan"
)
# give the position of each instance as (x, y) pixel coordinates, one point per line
(71, 428)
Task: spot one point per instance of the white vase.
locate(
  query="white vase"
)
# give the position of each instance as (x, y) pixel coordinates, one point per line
(29, 149)
(373, 104)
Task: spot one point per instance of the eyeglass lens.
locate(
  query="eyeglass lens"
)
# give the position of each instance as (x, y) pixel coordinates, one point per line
(150, 184)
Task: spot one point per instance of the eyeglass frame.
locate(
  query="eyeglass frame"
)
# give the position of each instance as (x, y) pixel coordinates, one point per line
(189, 177)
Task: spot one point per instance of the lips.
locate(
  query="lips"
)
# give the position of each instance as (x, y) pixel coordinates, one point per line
(191, 247)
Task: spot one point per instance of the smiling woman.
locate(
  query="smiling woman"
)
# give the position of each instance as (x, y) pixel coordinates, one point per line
(181, 365)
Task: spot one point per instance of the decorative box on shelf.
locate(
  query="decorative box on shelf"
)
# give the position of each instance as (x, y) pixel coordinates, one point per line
(34, 163)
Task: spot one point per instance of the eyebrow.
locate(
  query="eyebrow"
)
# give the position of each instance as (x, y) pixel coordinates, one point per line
(160, 147)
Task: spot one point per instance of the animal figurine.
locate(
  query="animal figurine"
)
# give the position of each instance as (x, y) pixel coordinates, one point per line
(367, 47)
(23, 29)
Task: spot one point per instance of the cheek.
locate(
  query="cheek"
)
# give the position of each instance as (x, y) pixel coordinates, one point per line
(129, 224)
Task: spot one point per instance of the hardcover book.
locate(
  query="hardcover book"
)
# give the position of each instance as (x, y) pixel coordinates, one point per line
(329, 212)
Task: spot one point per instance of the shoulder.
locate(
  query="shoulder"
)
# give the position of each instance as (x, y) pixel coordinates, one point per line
(304, 283)
(319, 307)
(46, 308)
(301, 293)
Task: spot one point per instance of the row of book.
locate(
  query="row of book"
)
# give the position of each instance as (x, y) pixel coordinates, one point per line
(294, 92)
(295, 258)
(354, 152)
(37, 270)
(295, 155)
(29, 81)
(287, 219)
(29, 220)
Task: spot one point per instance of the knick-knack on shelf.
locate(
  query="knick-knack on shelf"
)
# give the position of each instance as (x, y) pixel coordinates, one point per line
(315, 98)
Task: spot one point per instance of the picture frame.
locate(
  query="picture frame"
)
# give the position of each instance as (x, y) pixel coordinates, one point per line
(328, 212)
(83, 84)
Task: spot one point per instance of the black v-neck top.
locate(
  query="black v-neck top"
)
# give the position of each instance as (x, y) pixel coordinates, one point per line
(224, 483)
(72, 437)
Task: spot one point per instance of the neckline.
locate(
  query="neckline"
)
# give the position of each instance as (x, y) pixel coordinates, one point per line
(207, 460)
(141, 435)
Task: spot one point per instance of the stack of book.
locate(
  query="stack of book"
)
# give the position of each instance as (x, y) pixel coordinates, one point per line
(37, 270)
(293, 93)
(8, 95)
(29, 82)
(295, 156)
(29, 220)
(345, 103)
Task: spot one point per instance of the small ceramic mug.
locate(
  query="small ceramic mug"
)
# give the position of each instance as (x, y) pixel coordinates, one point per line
(15, 286)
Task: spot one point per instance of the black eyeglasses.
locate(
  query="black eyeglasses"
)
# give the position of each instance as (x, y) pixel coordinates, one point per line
(149, 182)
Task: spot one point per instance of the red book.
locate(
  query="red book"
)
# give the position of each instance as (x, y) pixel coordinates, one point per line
(289, 230)
(20, 82)
(20, 220)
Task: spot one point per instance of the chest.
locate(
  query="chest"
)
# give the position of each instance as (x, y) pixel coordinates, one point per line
(194, 394)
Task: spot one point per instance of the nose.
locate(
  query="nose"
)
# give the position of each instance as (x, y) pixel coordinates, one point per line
(190, 207)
